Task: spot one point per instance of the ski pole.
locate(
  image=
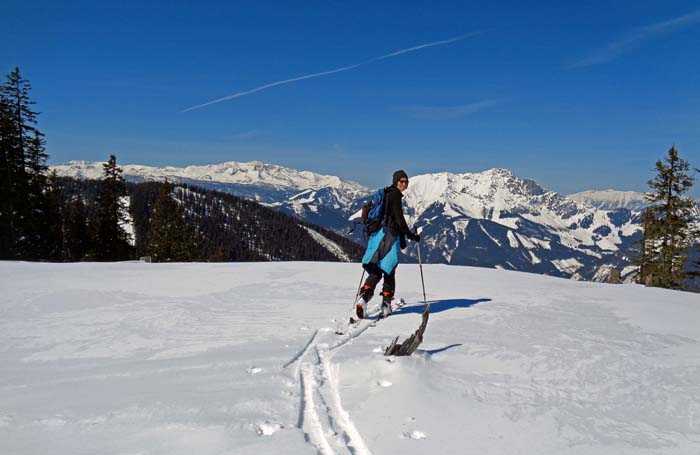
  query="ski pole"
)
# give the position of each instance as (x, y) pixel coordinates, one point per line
(358, 288)
(420, 264)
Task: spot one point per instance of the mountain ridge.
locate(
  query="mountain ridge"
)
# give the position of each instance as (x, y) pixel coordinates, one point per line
(273, 180)
(491, 218)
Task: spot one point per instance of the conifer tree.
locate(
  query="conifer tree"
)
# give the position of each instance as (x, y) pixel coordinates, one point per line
(8, 183)
(76, 235)
(111, 240)
(668, 230)
(171, 239)
(43, 200)
(23, 166)
(50, 223)
(16, 92)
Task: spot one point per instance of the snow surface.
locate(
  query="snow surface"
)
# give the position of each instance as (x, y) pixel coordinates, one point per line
(137, 358)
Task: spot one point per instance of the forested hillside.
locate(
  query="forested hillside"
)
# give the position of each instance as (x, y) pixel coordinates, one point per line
(226, 227)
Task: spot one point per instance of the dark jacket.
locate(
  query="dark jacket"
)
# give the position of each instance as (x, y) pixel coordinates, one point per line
(393, 212)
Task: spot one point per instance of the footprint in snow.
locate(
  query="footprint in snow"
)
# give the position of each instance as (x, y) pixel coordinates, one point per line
(254, 370)
(384, 383)
(415, 434)
(267, 428)
(53, 422)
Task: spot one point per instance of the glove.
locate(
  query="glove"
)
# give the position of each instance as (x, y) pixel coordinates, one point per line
(415, 236)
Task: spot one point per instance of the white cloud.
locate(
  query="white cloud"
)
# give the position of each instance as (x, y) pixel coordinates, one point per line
(448, 112)
(636, 38)
(251, 134)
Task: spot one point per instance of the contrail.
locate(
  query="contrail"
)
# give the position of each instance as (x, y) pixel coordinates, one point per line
(337, 70)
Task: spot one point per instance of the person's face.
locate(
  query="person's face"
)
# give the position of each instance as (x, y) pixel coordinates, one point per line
(402, 184)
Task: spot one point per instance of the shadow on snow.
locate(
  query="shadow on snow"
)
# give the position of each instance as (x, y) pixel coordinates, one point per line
(438, 306)
(437, 351)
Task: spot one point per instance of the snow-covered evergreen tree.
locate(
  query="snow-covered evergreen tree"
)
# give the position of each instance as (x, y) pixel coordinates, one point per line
(669, 229)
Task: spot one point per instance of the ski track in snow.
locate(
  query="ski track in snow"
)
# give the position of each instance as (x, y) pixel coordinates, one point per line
(319, 378)
(310, 422)
(301, 353)
(355, 442)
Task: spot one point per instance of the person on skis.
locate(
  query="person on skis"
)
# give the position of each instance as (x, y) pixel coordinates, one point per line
(382, 255)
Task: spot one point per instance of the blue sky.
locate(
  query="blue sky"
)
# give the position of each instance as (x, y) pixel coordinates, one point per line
(575, 97)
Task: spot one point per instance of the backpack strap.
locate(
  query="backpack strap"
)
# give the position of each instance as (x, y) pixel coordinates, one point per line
(384, 208)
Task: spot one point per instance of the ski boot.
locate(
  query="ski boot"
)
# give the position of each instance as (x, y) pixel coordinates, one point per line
(363, 299)
(387, 297)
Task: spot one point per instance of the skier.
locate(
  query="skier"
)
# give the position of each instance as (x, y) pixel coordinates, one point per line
(382, 255)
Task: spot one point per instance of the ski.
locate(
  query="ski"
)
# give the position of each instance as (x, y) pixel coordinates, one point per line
(374, 317)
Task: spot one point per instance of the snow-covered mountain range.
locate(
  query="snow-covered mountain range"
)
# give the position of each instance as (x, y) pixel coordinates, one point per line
(496, 219)
(321, 199)
(491, 219)
(266, 183)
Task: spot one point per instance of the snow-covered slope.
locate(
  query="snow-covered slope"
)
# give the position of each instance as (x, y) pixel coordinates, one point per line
(328, 244)
(611, 199)
(182, 359)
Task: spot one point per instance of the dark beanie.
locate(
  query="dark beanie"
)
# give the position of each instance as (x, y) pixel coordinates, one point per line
(398, 175)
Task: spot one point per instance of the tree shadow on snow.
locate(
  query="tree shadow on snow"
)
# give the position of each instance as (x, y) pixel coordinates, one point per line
(438, 306)
(437, 351)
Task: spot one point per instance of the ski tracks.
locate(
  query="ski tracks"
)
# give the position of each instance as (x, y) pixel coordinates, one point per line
(352, 436)
(322, 418)
(310, 420)
(301, 354)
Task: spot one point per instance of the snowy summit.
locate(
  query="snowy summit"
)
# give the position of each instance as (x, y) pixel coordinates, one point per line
(496, 219)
